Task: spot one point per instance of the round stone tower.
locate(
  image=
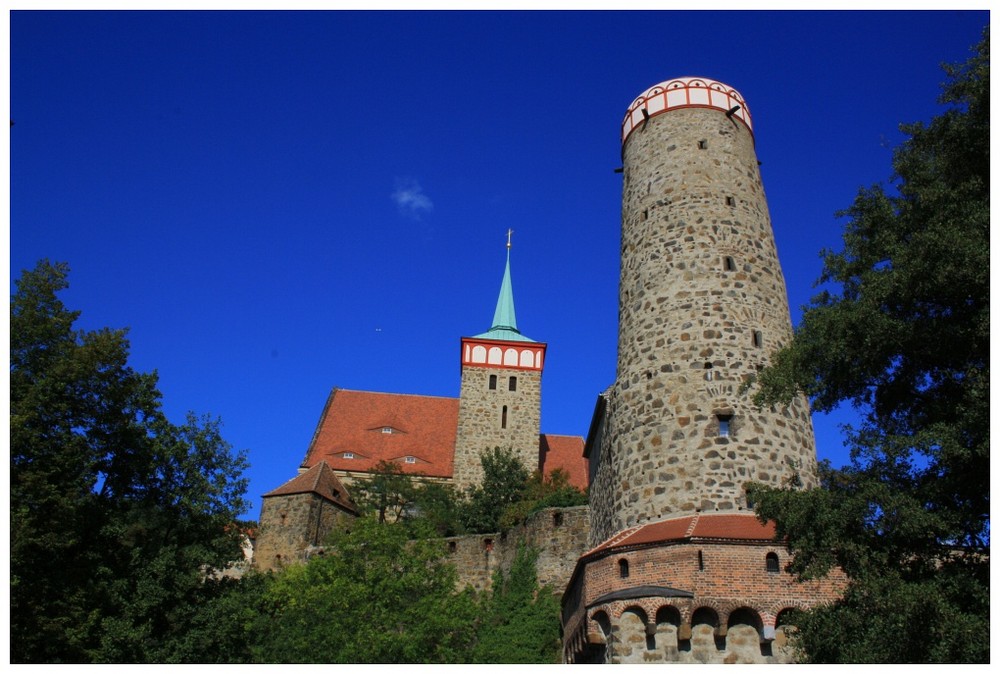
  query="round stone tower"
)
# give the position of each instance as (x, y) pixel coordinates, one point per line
(702, 305)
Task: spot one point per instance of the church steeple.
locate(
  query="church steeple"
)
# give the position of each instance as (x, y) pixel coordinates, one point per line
(500, 402)
(504, 319)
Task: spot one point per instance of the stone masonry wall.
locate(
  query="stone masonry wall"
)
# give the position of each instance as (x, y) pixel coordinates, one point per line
(290, 524)
(481, 419)
(702, 306)
(559, 534)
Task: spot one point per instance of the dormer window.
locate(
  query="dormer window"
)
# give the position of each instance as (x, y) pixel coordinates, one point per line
(348, 455)
(411, 459)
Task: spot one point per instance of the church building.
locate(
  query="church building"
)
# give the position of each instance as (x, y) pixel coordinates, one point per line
(430, 437)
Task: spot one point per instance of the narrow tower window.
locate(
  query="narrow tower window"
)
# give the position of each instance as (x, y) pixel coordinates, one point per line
(512, 384)
(730, 201)
(758, 338)
(708, 372)
(503, 417)
(702, 144)
(724, 422)
(493, 382)
(701, 561)
(728, 263)
(771, 562)
(623, 568)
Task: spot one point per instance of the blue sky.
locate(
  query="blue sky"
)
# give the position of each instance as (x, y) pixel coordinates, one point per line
(279, 203)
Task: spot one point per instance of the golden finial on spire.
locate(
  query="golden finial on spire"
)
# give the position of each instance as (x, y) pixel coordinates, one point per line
(509, 232)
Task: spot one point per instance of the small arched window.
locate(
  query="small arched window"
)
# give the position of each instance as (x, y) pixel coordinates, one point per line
(728, 263)
(623, 568)
(771, 562)
(512, 384)
(708, 372)
(758, 338)
(493, 382)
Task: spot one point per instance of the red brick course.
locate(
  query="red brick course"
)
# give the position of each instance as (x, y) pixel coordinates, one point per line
(716, 572)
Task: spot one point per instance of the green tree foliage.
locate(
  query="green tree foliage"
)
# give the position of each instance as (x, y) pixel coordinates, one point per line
(504, 482)
(115, 511)
(542, 491)
(391, 495)
(906, 341)
(439, 506)
(386, 493)
(520, 620)
(377, 596)
(225, 624)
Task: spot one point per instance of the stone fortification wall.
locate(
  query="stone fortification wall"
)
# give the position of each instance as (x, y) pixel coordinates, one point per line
(291, 524)
(702, 306)
(496, 417)
(559, 534)
(475, 557)
(293, 527)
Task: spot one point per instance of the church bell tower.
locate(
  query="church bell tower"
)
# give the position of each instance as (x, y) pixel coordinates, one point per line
(501, 393)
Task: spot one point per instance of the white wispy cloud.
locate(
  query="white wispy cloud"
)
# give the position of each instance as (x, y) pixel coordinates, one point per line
(410, 198)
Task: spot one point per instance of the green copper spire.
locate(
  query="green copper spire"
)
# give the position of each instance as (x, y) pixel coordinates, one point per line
(504, 320)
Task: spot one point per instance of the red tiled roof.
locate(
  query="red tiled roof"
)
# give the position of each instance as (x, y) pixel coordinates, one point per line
(565, 452)
(740, 527)
(320, 480)
(422, 427)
